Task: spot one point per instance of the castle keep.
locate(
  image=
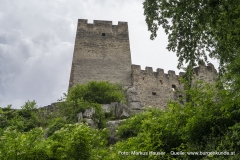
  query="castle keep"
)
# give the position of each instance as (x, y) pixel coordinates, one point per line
(102, 52)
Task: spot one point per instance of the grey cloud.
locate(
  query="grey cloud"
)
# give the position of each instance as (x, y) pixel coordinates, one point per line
(33, 68)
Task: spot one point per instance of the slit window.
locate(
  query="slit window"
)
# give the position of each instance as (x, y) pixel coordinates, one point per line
(143, 78)
(154, 93)
(161, 81)
(174, 88)
(103, 34)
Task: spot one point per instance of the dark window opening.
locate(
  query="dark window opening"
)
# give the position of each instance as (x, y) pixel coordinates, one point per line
(154, 93)
(103, 34)
(143, 78)
(174, 87)
(161, 81)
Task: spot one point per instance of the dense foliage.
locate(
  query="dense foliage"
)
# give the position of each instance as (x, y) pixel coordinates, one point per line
(23, 120)
(96, 92)
(76, 141)
(197, 26)
(34, 133)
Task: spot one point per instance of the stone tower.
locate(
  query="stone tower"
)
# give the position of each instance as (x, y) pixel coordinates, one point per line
(101, 52)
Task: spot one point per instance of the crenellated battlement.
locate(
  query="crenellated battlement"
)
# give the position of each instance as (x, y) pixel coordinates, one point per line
(99, 26)
(156, 88)
(136, 69)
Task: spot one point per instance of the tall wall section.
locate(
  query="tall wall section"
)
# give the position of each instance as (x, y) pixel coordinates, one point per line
(156, 88)
(101, 52)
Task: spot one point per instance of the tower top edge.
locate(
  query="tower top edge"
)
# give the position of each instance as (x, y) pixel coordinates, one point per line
(85, 21)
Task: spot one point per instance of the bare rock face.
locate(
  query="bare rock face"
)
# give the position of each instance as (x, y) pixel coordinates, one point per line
(87, 117)
(132, 95)
(90, 122)
(107, 108)
(135, 106)
(118, 110)
(124, 114)
(133, 99)
(112, 126)
(89, 113)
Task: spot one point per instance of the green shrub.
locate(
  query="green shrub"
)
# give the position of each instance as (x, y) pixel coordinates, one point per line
(90, 95)
(96, 92)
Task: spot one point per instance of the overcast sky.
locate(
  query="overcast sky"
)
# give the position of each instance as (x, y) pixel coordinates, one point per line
(37, 40)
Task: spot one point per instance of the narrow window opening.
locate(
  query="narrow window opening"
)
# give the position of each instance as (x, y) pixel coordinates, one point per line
(154, 93)
(103, 34)
(143, 78)
(174, 87)
(161, 81)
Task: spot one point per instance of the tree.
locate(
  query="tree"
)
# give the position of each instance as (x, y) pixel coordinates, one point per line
(72, 141)
(30, 115)
(197, 28)
(83, 96)
(97, 92)
(76, 141)
(21, 146)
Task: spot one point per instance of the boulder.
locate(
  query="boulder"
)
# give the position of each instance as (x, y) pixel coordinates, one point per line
(132, 95)
(112, 126)
(90, 122)
(88, 113)
(107, 108)
(136, 106)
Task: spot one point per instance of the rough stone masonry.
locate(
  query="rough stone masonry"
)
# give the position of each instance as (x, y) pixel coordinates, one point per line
(102, 53)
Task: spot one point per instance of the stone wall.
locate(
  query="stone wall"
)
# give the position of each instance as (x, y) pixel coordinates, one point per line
(101, 52)
(207, 73)
(156, 88)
